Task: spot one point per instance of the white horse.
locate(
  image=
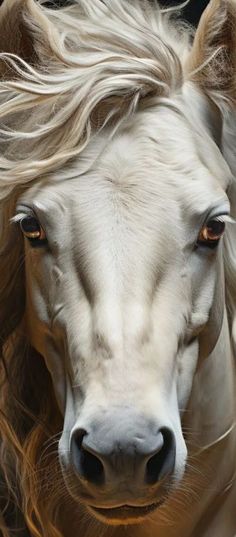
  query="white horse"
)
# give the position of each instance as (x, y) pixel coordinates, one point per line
(117, 270)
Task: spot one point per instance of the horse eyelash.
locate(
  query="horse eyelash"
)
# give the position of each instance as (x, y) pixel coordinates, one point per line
(225, 218)
(17, 218)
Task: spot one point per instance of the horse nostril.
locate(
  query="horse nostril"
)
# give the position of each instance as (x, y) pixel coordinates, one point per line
(92, 467)
(162, 462)
(85, 461)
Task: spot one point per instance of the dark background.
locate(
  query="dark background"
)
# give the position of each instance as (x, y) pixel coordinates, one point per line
(193, 11)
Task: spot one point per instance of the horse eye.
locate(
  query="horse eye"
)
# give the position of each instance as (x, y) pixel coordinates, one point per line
(32, 229)
(211, 232)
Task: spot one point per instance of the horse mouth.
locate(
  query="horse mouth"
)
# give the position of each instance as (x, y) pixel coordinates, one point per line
(126, 514)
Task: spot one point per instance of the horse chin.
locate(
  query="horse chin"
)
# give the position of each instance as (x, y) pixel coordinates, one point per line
(124, 515)
(118, 514)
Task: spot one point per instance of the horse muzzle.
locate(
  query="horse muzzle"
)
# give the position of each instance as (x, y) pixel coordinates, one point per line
(119, 459)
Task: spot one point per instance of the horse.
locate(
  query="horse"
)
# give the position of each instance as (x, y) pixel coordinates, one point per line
(117, 270)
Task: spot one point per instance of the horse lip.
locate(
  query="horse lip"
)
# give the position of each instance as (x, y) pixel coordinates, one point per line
(126, 511)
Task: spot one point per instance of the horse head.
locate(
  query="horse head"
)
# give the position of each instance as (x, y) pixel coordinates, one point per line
(117, 242)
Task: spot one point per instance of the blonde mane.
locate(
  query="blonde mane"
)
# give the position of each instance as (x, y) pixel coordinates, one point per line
(90, 67)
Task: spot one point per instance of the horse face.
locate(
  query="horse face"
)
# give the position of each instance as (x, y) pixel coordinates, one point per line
(121, 278)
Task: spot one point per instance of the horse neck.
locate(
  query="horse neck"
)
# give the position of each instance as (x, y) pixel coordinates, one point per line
(210, 421)
(211, 410)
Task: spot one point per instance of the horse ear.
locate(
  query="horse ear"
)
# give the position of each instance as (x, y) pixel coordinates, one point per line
(212, 61)
(24, 32)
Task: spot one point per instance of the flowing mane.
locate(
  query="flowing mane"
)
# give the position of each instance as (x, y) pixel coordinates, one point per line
(91, 66)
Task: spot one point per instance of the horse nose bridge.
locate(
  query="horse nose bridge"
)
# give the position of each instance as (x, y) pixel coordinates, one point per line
(128, 327)
(107, 332)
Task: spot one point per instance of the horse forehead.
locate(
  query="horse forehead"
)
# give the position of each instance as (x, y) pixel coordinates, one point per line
(122, 217)
(139, 180)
